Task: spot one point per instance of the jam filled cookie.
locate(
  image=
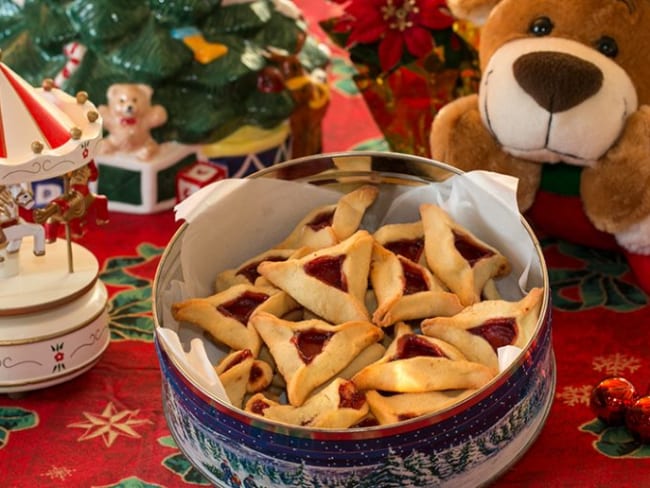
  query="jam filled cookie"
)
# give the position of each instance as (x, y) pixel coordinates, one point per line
(488, 325)
(330, 224)
(311, 352)
(225, 315)
(331, 282)
(459, 258)
(339, 406)
(415, 363)
(247, 274)
(404, 240)
(405, 290)
(242, 374)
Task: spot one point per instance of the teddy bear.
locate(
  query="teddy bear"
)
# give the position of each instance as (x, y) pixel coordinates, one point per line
(563, 105)
(129, 117)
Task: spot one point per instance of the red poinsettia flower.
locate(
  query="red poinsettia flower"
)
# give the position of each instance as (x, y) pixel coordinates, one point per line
(396, 24)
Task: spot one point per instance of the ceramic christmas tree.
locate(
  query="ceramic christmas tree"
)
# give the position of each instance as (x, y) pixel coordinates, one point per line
(53, 317)
(218, 67)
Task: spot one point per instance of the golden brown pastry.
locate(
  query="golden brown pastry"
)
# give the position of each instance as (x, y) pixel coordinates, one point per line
(331, 282)
(405, 290)
(415, 363)
(495, 322)
(225, 315)
(241, 374)
(389, 409)
(338, 406)
(460, 259)
(404, 240)
(247, 273)
(311, 352)
(330, 224)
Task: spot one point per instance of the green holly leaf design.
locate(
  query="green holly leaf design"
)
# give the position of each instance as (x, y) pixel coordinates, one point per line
(130, 315)
(14, 419)
(615, 441)
(178, 464)
(376, 144)
(597, 280)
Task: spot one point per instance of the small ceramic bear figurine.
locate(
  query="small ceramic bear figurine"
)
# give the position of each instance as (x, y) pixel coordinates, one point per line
(129, 118)
(563, 105)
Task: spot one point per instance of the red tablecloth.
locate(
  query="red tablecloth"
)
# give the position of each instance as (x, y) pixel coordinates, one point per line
(106, 427)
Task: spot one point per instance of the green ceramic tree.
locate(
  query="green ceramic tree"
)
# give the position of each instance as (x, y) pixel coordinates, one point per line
(206, 59)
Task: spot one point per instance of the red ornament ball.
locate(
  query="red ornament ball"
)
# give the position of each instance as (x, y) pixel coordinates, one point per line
(637, 419)
(611, 398)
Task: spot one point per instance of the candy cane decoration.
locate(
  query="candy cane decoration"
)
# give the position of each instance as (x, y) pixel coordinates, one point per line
(75, 52)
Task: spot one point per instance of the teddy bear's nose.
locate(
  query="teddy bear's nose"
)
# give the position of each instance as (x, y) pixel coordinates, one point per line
(557, 81)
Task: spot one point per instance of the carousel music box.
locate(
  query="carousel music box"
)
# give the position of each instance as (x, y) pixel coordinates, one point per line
(53, 314)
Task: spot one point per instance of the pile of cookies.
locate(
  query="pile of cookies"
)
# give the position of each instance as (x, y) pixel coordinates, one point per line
(336, 327)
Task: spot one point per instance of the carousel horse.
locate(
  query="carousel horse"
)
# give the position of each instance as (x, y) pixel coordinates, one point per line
(14, 228)
(74, 205)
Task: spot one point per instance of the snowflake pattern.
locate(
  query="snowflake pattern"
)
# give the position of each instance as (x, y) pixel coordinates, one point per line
(575, 395)
(110, 424)
(58, 473)
(616, 364)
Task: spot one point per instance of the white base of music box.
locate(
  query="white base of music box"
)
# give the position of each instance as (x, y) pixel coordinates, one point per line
(53, 321)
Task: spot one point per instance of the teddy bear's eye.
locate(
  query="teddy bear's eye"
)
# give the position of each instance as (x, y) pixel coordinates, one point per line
(541, 26)
(607, 46)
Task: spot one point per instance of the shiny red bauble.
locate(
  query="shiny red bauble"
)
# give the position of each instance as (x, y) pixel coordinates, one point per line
(637, 419)
(611, 398)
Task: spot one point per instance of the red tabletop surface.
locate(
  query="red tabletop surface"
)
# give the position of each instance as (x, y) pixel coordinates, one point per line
(106, 427)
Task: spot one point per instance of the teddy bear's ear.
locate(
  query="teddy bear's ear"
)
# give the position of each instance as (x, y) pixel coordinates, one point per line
(476, 11)
(113, 90)
(146, 89)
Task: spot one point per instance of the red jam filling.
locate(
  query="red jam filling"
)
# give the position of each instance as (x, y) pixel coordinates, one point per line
(242, 307)
(250, 272)
(255, 374)
(328, 270)
(259, 406)
(350, 397)
(238, 359)
(409, 248)
(411, 345)
(469, 250)
(367, 422)
(498, 332)
(322, 220)
(414, 279)
(310, 343)
(406, 416)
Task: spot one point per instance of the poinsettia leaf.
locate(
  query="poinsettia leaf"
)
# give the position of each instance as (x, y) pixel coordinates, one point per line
(123, 262)
(150, 251)
(596, 427)
(133, 482)
(4, 437)
(179, 464)
(167, 441)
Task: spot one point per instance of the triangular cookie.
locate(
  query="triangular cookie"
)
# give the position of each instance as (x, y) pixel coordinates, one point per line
(246, 273)
(311, 352)
(389, 409)
(496, 322)
(225, 315)
(242, 374)
(331, 282)
(330, 224)
(415, 363)
(339, 406)
(403, 239)
(459, 258)
(406, 291)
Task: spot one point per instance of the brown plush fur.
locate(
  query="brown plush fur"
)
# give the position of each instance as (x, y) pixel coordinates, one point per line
(615, 188)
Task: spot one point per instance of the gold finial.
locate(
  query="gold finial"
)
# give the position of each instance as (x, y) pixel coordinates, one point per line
(48, 84)
(75, 132)
(92, 116)
(82, 97)
(37, 147)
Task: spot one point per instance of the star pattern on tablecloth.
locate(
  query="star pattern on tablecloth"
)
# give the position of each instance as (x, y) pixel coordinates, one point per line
(110, 424)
